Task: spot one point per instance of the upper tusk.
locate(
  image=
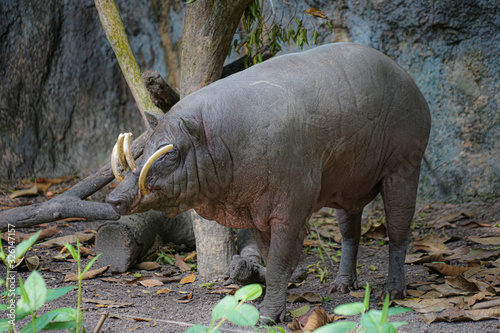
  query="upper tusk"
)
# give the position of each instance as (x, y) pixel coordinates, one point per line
(114, 163)
(147, 165)
(128, 154)
(121, 155)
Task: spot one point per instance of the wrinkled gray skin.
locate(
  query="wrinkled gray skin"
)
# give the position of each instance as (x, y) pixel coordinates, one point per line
(265, 148)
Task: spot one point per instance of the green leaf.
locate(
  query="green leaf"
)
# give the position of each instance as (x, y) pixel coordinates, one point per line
(196, 329)
(60, 325)
(24, 246)
(40, 323)
(371, 320)
(21, 313)
(395, 311)
(4, 324)
(366, 300)
(220, 310)
(72, 250)
(315, 35)
(248, 293)
(397, 324)
(65, 314)
(190, 1)
(91, 262)
(389, 328)
(350, 309)
(338, 327)
(53, 294)
(330, 26)
(385, 310)
(34, 294)
(4, 307)
(244, 315)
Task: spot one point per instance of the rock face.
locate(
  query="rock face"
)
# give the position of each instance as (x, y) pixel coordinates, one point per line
(451, 50)
(63, 100)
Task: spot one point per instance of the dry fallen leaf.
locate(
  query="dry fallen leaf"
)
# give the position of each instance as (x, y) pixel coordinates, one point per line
(179, 262)
(71, 239)
(448, 219)
(24, 192)
(433, 244)
(461, 283)
(151, 283)
(186, 298)
(188, 279)
(164, 279)
(163, 291)
(142, 319)
(317, 319)
(223, 291)
(457, 314)
(306, 297)
(148, 265)
(87, 275)
(191, 256)
(485, 240)
(429, 305)
(422, 259)
(448, 270)
(106, 303)
(315, 12)
(376, 231)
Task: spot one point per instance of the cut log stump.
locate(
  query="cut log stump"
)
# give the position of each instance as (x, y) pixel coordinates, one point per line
(126, 242)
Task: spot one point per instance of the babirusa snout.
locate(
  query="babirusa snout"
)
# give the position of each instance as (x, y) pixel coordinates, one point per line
(147, 165)
(122, 155)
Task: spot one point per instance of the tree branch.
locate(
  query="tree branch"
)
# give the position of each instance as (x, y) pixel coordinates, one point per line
(71, 203)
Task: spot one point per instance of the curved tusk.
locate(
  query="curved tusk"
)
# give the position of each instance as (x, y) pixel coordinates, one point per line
(121, 155)
(114, 163)
(147, 165)
(128, 153)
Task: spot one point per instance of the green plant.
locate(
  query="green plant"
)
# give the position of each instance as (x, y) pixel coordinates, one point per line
(76, 254)
(370, 321)
(33, 295)
(165, 258)
(234, 309)
(259, 30)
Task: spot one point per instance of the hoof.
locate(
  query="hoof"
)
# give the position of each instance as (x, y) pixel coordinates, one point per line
(343, 286)
(393, 294)
(271, 316)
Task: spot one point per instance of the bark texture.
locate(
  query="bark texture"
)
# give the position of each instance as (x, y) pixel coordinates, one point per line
(208, 31)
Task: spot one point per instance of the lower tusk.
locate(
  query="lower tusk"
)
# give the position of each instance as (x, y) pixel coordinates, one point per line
(114, 164)
(147, 165)
(121, 155)
(128, 153)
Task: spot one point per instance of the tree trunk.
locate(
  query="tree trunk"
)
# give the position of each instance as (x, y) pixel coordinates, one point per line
(208, 31)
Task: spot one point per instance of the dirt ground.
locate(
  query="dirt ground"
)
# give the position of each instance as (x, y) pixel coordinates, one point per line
(141, 309)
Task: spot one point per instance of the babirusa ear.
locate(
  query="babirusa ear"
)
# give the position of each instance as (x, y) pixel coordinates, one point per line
(193, 127)
(153, 118)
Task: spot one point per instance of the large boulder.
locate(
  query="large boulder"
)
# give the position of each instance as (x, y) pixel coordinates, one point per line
(451, 49)
(63, 98)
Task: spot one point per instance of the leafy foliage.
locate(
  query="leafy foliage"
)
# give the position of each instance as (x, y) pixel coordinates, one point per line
(33, 294)
(259, 30)
(234, 309)
(371, 320)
